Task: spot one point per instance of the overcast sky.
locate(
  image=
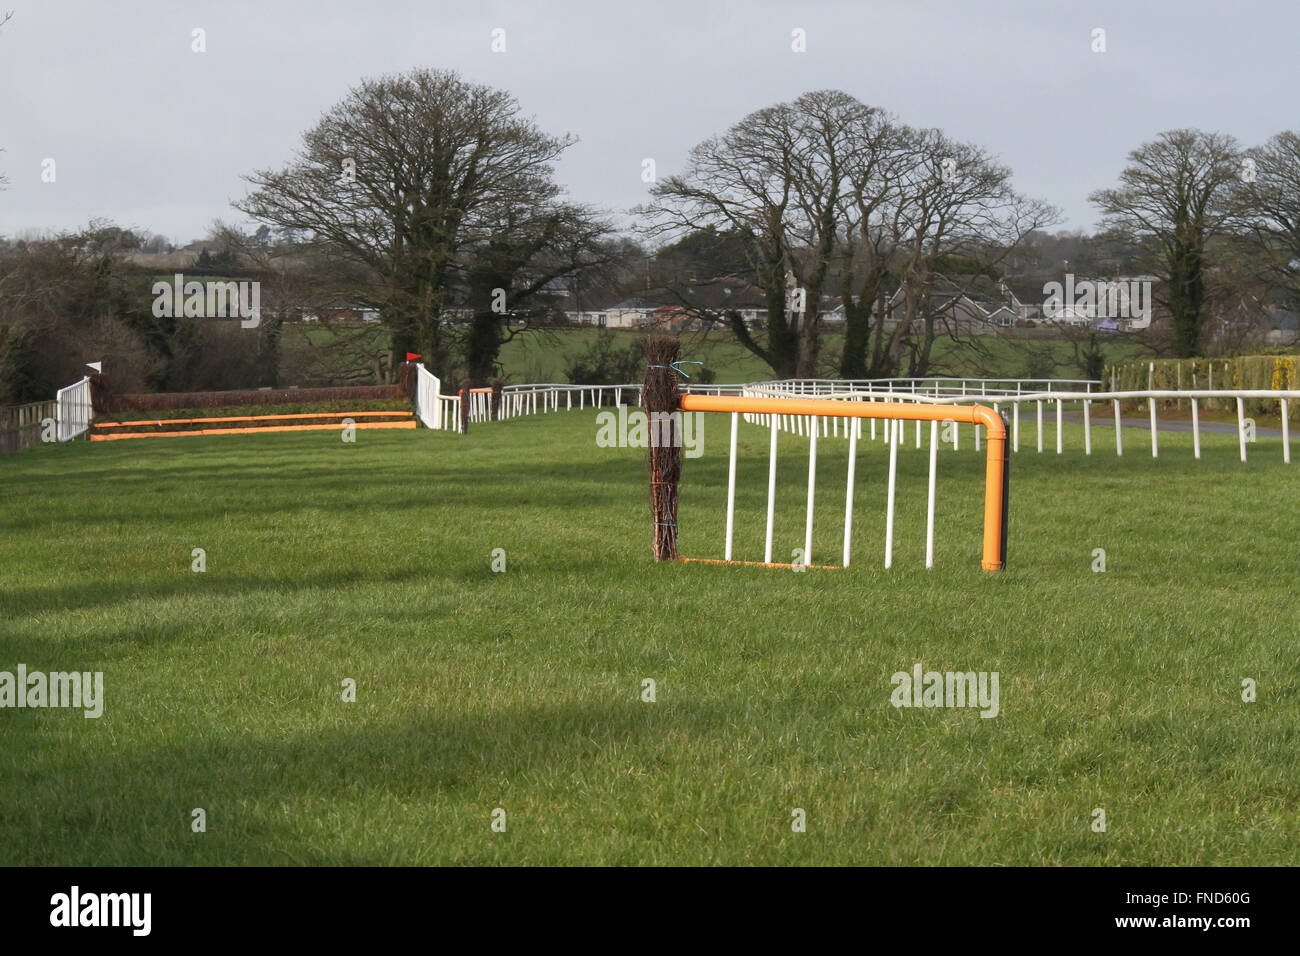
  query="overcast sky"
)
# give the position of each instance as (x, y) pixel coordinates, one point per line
(151, 135)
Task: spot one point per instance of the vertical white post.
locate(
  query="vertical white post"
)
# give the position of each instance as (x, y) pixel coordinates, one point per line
(771, 493)
(1058, 426)
(1241, 426)
(1087, 425)
(1155, 442)
(848, 493)
(731, 484)
(1196, 430)
(812, 485)
(1286, 436)
(1040, 425)
(918, 433)
(1015, 424)
(1119, 432)
(929, 501)
(977, 438)
(892, 425)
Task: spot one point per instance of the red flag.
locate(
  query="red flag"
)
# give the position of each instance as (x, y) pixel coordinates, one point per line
(412, 356)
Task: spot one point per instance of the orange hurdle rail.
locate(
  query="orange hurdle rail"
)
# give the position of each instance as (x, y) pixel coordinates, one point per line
(118, 436)
(250, 418)
(996, 464)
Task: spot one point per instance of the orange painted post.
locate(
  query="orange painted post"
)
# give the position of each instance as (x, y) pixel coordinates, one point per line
(996, 463)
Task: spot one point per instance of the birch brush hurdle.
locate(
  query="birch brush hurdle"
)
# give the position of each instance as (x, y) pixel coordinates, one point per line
(660, 400)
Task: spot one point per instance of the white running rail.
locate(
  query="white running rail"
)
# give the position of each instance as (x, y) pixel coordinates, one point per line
(72, 410)
(1037, 399)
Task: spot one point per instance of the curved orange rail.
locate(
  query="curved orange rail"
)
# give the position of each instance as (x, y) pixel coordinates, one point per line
(995, 468)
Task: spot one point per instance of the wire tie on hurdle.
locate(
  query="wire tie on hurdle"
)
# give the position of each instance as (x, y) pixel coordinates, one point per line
(674, 367)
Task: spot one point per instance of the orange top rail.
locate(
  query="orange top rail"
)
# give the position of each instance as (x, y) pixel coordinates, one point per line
(995, 469)
(250, 418)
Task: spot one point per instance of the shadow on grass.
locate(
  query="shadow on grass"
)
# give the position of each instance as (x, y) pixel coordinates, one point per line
(132, 806)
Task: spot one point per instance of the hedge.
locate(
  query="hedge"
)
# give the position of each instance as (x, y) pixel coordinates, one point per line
(1272, 372)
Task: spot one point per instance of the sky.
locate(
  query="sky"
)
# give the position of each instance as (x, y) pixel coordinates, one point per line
(150, 134)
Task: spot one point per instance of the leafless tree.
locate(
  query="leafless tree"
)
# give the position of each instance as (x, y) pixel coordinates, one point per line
(402, 177)
(1270, 210)
(1176, 197)
(776, 181)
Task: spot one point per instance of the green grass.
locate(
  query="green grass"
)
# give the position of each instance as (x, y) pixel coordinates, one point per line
(521, 690)
(544, 356)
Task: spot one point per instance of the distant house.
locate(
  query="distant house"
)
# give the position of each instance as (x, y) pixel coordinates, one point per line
(682, 309)
(1110, 304)
(973, 305)
(340, 313)
(631, 313)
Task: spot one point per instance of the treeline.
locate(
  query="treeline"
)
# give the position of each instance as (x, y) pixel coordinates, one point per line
(430, 204)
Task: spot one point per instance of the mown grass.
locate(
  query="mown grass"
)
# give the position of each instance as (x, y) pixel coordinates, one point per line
(522, 690)
(544, 355)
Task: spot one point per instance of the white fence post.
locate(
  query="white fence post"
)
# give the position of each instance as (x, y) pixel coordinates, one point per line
(1155, 445)
(731, 483)
(1286, 435)
(929, 502)
(892, 424)
(848, 493)
(771, 493)
(812, 485)
(1241, 426)
(1196, 431)
(1119, 432)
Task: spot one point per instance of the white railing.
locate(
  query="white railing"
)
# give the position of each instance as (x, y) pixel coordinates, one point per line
(434, 409)
(848, 392)
(536, 399)
(72, 410)
(428, 389)
(930, 387)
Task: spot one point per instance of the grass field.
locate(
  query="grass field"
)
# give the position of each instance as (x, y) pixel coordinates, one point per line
(544, 356)
(522, 690)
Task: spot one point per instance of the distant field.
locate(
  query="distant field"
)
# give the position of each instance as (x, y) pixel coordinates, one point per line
(544, 355)
(522, 690)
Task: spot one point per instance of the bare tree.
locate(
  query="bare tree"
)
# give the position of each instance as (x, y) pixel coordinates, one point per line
(4, 180)
(508, 275)
(1176, 197)
(775, 180)
(401, 177)
(1270, 208)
